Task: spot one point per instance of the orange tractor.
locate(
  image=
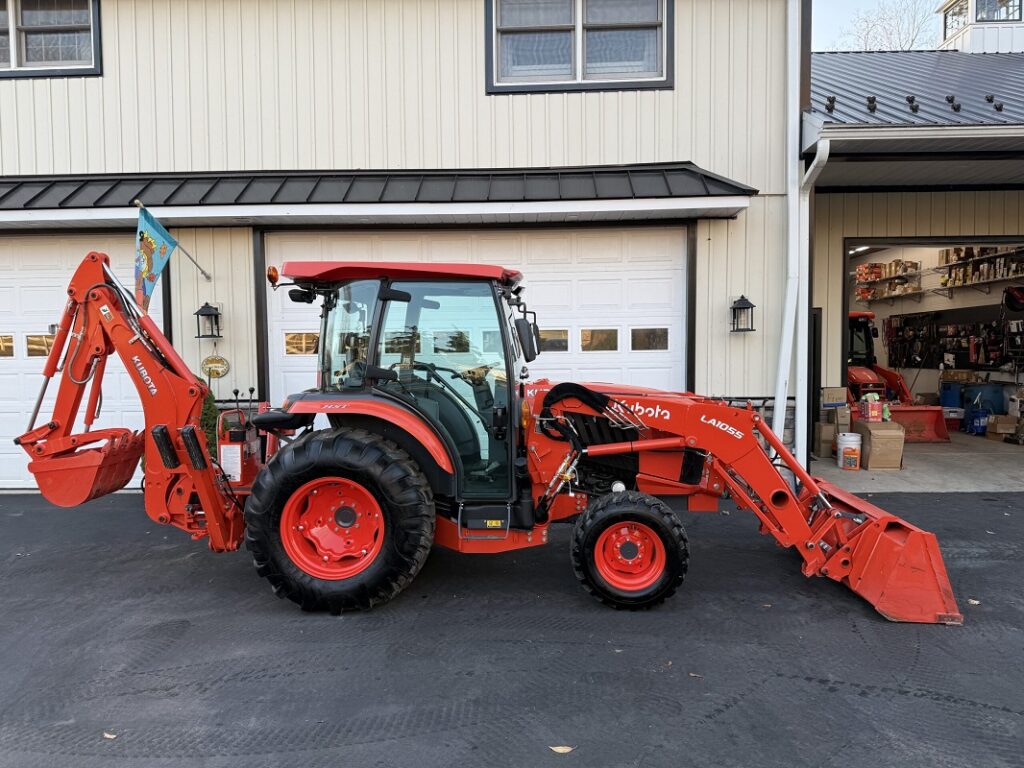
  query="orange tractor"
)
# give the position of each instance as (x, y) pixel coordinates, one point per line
(432, 434)
(922, 423)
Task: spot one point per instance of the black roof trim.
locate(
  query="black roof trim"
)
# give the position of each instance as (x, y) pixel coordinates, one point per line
(622, 182)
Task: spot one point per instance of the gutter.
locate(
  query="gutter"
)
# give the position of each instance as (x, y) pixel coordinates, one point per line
(810, 178)
(790, 302)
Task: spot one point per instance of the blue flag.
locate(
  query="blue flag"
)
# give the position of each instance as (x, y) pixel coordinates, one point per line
(153, 248)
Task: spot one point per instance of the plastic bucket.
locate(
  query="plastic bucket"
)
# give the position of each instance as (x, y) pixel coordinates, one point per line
(848, 450)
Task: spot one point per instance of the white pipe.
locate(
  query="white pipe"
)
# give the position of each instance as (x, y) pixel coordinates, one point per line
(789, 304)
(803, 346)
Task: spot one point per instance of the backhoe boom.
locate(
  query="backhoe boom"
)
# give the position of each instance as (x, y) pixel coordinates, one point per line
(183, 486)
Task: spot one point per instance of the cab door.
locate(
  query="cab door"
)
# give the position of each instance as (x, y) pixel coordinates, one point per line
(447, 346)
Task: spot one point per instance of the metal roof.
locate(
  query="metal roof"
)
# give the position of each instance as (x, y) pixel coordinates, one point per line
(910, 88)
(646, 181)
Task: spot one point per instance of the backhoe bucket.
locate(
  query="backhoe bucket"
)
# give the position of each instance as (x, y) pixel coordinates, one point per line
(72, 479)
(892, 564)
(921, 423)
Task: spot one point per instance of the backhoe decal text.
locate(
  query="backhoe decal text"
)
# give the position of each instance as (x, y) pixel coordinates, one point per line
(723, 426)
(144, 375)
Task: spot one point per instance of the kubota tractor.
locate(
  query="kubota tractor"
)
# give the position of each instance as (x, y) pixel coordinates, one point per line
(921, 423)
(433, 434)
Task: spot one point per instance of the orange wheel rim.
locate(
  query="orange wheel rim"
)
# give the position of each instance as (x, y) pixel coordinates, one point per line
(630, 556)
(332, 528)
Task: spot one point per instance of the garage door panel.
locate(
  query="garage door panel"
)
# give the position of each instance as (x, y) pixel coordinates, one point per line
(575, 279)
(549, 296)
(37, 270)
(449, 249)
(601, 248)
(548, 249)
(603, 295)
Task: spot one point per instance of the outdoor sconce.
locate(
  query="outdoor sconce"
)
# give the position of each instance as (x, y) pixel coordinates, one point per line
(207, 322)
(742, 315)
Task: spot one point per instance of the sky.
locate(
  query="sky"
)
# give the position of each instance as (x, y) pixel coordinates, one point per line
(831, 17)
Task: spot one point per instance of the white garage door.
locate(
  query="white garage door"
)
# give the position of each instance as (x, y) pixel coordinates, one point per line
(34, 276)
(610, 302)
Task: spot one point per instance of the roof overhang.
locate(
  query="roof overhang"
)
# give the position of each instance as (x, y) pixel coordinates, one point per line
(918, 157)
(644, 191)
(382, 214)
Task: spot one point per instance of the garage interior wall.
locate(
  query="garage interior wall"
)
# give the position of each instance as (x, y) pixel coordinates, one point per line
(956, 215)
(227, 254)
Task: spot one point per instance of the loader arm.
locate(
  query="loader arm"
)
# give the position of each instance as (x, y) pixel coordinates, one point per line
(894, 565)
(184, 486)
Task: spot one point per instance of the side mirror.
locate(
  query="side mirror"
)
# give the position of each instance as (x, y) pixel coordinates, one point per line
(874, 332)
(302, 295)
(529, 338)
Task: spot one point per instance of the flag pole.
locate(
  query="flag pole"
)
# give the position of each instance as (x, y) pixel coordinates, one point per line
(203, 272)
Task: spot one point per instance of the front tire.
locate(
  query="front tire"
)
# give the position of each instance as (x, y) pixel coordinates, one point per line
(630, 551)
(340, 520)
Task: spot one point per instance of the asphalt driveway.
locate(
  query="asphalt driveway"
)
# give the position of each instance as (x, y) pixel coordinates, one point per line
(125, 644)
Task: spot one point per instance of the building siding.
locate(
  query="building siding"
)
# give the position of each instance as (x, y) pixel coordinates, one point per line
(318, 84)
(227, 255)
(891, 215)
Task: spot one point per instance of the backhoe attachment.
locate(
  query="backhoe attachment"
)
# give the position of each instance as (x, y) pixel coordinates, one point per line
(184, 486)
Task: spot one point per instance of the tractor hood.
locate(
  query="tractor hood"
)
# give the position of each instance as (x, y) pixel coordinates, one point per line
(859, 375)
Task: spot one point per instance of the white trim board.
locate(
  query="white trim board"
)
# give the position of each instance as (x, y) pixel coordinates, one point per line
(568, 211)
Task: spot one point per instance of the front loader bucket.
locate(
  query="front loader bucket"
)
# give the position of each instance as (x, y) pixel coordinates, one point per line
(72, 479)
(892, 564)
(921, 423)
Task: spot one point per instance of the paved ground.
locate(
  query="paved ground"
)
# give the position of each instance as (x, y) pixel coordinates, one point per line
(965, 464)
(109, 623)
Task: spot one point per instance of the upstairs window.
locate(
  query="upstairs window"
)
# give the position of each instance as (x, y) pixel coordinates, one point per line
(999, 10)
(955, 18)
(561, 45)
(40, 38)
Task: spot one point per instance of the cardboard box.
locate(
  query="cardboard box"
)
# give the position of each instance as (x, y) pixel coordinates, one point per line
(840, 417)
(870, 411)
(881, 444)
(824, 434)
(1002, 425)
(833, 397)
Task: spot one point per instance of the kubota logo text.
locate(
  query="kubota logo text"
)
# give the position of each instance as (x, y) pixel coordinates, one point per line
(723, 426)
(144, 375)
(654, 412)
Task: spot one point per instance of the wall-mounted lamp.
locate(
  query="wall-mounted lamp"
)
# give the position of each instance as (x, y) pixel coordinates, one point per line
(207, 322)
(742, 315)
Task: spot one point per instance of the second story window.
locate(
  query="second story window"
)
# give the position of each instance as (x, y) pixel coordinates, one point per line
(999, 10)
(48, 37)
(558, 45)
(954, 18)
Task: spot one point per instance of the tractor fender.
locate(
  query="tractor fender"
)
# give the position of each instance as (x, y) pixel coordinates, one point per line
(408, 430)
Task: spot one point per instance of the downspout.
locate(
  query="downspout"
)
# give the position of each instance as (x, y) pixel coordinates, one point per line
(803, 300)
(789, 304)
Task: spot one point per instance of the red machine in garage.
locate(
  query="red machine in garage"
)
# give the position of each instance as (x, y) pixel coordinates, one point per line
(923, 423)
(436, 436)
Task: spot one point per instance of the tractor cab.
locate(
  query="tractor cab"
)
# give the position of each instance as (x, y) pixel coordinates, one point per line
(446, 342)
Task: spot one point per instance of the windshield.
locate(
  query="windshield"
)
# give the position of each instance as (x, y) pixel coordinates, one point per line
(347, 334)
(859, 345)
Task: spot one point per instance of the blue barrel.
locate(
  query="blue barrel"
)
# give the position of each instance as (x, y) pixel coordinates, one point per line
(951, 394)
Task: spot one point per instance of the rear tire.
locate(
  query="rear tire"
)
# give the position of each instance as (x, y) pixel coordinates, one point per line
(630, 551)
(340, 520)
